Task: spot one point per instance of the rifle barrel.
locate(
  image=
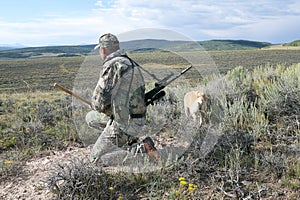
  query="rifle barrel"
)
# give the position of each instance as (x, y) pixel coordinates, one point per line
(186, 69)
(181, 73)
(150, 96)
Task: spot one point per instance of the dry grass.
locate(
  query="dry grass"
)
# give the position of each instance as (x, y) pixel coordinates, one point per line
(249, 150)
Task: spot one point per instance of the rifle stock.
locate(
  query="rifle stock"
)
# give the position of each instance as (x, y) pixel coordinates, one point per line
(71, 93)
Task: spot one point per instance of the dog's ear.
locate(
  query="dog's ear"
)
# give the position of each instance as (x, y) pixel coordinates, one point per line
(200, 94)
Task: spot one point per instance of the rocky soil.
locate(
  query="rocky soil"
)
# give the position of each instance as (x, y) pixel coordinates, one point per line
(30, 182)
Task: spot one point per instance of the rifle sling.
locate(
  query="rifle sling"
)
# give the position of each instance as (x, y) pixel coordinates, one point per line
(134, 116)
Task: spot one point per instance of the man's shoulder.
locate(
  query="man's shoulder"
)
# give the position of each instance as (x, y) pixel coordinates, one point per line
(122, 59)
(122, 62)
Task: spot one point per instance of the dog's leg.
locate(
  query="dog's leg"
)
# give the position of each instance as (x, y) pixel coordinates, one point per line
(187, 111)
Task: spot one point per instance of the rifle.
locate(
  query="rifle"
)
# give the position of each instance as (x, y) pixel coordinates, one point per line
(71, 93)
(157, 93)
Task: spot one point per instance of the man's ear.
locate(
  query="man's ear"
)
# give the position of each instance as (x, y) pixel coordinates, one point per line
(103, 53)
(102, 50)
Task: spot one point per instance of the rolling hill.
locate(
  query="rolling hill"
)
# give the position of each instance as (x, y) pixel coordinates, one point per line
(295, 43)
(132, 46)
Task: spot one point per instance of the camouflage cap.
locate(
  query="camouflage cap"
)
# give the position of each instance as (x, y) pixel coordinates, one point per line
(107, 40)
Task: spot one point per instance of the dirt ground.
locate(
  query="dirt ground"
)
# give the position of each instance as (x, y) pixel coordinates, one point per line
(29, 184)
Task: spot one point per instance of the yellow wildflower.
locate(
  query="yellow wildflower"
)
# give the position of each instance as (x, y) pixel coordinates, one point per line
(8, 162)
(27, 129)
(183, 182)
(181, 179)
(177, 192)
(120, 197)
(192, 187)
(20, 131)
(111, 188)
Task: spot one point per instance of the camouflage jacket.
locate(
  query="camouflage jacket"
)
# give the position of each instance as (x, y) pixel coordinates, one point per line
(120, 91)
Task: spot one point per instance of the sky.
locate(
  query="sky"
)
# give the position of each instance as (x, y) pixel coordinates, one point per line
(77, 22)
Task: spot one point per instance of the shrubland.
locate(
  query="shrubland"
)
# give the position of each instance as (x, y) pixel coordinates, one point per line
(254, 156)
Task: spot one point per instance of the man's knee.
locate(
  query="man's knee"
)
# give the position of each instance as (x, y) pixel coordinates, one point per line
(92, 116)
(96, 120)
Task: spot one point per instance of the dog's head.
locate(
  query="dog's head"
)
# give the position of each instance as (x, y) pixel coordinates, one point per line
(201, 97)
(202, 100)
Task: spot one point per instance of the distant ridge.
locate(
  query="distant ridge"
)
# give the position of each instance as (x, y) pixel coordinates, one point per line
(209, 45)
(295, 43)
(146, 45)
(41, 51)
(7, 47)
(233, 44)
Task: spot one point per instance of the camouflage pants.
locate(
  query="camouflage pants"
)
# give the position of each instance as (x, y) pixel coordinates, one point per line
(96, 120)
(111, 147)
(109, 144)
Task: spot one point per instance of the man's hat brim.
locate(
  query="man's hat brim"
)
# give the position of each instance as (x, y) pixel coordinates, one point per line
(97, 46)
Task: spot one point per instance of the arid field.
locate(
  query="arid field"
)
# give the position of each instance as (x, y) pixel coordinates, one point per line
(248, 149)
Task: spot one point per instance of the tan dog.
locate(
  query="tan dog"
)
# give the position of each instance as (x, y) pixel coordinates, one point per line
(195, 105)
